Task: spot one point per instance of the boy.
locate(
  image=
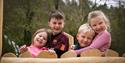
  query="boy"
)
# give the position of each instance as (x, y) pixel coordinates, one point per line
(84, 37)
(58, 40)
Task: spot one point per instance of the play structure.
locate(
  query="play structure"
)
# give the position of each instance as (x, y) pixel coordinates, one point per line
(90, 56)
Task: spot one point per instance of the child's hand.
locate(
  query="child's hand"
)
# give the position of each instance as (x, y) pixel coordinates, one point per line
(23, 49)
(72, 47)
(51, 50)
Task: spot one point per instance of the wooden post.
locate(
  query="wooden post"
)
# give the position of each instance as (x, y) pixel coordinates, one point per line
(1, 23)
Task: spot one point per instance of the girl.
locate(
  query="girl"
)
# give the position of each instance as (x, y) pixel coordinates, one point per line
(39, 40)
(100, 24)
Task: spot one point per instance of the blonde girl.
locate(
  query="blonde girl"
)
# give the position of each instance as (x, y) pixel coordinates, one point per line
(100, 24)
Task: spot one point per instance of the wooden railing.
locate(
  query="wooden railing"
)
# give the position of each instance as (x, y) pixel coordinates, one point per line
(65, 60)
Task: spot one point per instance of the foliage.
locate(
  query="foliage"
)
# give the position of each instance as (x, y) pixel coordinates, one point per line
(23, 17)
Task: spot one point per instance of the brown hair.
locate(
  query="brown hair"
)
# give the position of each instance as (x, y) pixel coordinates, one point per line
(56, 14)
(38, 31)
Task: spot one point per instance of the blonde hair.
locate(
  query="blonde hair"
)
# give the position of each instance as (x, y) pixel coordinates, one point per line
(86, 28)
(97, 13)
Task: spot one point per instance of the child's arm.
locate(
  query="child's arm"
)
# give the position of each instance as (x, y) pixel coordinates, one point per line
(102, 39)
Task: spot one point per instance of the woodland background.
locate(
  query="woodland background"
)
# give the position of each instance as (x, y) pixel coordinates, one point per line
(23, 17)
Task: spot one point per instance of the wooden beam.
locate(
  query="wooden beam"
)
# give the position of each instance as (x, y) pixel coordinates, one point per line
(1, 24)
(65, 60)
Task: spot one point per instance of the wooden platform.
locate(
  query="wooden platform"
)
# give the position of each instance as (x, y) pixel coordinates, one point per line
(65, 60)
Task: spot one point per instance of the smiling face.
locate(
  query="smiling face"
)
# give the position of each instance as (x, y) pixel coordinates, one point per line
(56, 25)
(98, 24)
(85, 38)
(40, 39)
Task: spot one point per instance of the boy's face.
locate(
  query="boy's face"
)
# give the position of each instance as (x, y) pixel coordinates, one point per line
(40, 39)
(84, 38)
(56, 25)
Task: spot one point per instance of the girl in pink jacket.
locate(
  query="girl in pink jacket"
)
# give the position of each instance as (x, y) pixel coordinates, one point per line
(39, 40)
(100, 24)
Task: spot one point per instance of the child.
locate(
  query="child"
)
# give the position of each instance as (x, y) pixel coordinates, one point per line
(39, 40)
(58, 40)
(84, 37)
(100, 24)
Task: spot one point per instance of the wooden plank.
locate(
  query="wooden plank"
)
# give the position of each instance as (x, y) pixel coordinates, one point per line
(65, 60)
(1, 23)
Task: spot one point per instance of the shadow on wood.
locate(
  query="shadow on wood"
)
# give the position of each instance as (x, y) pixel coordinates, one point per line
(91, 53)
(68, 54)
(111, 53)
(123, 55)
(47, 54)
(26, 55)
(9, 55)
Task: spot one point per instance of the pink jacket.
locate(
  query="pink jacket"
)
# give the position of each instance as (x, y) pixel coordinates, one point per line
(102, 42)
(35, 50)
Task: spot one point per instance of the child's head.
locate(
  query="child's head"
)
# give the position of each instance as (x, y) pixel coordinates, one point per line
(39, 38)
(98, 21)
(56, 21)
(85, 35)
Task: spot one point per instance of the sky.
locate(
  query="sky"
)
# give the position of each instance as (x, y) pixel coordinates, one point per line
(108, 2)
(99, 2)
(77, 1)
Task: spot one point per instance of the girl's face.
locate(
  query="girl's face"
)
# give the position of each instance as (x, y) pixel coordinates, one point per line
(84, 38)
(98, 24)
(56, 24)
(40, 39)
